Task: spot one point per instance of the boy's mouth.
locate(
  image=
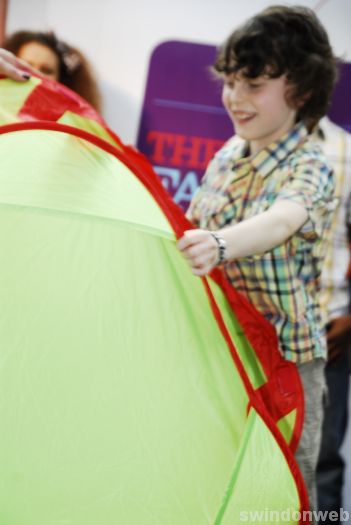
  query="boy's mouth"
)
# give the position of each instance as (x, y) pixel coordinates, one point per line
(242, 117)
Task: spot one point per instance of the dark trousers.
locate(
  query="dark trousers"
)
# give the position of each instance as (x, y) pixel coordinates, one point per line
(330, 469)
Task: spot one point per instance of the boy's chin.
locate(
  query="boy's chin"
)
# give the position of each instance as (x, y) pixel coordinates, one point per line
(243, 135)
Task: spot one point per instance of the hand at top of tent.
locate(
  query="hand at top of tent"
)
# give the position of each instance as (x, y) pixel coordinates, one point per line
(13, 67)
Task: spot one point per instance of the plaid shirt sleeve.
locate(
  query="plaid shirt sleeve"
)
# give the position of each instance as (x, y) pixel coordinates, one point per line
(311, 185)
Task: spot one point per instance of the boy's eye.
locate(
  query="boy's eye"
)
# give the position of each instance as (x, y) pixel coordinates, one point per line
(254, 85)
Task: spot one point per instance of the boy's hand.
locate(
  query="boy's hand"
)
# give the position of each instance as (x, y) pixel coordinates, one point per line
(200, 250)
(13, 67)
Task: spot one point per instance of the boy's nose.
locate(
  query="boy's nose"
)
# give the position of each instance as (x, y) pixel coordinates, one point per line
(236, 94)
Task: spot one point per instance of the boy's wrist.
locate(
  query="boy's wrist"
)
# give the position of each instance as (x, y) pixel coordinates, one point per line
(222, 247)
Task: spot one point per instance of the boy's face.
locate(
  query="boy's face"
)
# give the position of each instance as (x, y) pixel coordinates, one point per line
(258, 108)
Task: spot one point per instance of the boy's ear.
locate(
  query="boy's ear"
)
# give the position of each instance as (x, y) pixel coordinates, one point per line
(302, 101)
(296, 103)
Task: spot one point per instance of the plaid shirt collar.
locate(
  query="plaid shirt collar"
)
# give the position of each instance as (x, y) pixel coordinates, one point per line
(268, 159)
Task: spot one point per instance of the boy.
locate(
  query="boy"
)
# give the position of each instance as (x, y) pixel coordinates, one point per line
(266, 199)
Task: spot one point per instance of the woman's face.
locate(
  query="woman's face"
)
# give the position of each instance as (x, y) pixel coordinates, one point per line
(41, 58)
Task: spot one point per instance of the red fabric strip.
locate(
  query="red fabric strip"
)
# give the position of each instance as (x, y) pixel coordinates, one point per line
(259, 332)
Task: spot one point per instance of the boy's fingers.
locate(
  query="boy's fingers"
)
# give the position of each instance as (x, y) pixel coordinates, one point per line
(201, 263)
(201, 271)
(192, 237)
(195, 250)
(186, 240)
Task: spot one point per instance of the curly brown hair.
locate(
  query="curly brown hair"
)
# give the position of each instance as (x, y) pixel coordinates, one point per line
(74, 70)
(285, 40)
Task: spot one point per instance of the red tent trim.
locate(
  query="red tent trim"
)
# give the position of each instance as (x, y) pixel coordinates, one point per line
(247, 315)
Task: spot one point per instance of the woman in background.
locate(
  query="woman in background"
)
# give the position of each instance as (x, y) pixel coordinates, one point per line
(57, 60)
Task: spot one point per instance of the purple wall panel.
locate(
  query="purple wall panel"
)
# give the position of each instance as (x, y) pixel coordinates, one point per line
(183, 121)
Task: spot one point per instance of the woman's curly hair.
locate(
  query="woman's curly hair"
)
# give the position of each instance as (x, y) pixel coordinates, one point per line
(74, 69)
(285, 40)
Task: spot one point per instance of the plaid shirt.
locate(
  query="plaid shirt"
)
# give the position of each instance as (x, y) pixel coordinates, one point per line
(336, 145)
(282, 283)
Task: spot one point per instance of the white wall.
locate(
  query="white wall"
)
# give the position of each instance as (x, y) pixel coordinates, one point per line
(119, 35)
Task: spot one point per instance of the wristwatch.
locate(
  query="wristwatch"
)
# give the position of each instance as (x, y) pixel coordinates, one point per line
(222, 247)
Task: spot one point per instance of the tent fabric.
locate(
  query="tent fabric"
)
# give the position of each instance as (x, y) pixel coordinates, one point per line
(130, 390)
(38, 101)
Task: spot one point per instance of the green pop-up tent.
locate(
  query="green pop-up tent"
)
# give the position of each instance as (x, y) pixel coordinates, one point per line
(131, 392)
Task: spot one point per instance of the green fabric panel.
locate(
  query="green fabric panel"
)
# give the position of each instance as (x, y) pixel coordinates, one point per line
(62, 172)
(119, 401)
(249, 497)
(12, 97)
(93, 127)
(286, 425)
(247, 355)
